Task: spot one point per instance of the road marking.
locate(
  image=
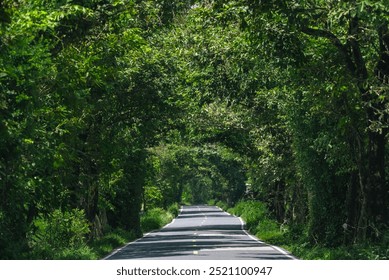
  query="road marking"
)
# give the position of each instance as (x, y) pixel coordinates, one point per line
(114, 252)
(264, 247)
(261, 242)
(219, 234)
(238, 249)
(181, 208)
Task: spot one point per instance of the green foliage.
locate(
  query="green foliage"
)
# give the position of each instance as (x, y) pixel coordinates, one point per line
(270, 231)
(174, 209)
(222, 205)
(60, 235)
(252, 212)
(193, 175)
(155, 219)
(211, 202)
(114, 106)
(110, 241)
(352, 252)
(258, 221)
(295, 240)
(153, 196)
(81, 253)
(82, 95)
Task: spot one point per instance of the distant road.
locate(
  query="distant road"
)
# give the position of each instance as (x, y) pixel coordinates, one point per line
(201, 233)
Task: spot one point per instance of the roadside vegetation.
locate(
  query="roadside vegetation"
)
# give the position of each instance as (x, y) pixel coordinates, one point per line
(113, 110)
(64, 235)
(261, 224)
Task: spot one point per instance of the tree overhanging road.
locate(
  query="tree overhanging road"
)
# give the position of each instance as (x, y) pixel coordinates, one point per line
(202, 233)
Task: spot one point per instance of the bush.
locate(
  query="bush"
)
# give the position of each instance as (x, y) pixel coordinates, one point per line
(222, 205)
(81, 253)
(212, 202)
(258, 222)
(58, 234)
(269, 231)
(174, 209)
(155, 219)
(252, 212)
(112, 240)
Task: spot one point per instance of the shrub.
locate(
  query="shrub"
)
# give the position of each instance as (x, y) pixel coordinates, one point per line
(114, 239)
(269, 231)
(174, 209)
(252, 212)
(81, 253)
(155, 219)
(222, 205)
(58, 232)
(212, 202)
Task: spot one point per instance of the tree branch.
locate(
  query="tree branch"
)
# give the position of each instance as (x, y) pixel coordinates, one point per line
(335, 41)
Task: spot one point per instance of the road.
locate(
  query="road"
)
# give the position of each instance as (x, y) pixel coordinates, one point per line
(201, 233)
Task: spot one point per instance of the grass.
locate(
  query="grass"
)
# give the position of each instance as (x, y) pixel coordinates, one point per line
(260, 223)
(151, 220)
(352, 252)
(155, 219)
(109, 242)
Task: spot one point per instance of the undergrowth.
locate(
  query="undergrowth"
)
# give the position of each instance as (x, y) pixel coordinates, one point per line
(155, 219)
(63, 235)
(260, 223)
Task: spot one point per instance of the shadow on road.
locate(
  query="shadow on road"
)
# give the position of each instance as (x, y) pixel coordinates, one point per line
(199, 233)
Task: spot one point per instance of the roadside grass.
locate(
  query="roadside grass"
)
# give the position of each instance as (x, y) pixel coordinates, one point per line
(352, 252)
(260, 223)
(101, 247)
(174, 209)
(222, 205)
(109, 242)
(155, 219)
(60, 235)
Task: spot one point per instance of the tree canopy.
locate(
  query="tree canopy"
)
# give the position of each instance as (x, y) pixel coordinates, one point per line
(112, 107)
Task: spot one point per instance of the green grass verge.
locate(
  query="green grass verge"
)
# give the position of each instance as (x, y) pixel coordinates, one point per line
(260, 223)
(150, 220)
(155, 219)
(103, 246)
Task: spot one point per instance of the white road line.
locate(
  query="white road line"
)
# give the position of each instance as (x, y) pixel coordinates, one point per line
(261, 242)
(219, 249)
(219, 234)
(248, 234)
(174, 219)
(114, 252)
(224, 212)
(237, 249)
(121, 248)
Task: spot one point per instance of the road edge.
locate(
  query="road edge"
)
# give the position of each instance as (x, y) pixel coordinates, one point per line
(117, 250)
(279, 249)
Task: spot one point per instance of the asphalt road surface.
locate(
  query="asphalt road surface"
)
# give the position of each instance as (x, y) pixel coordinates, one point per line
(201, 233)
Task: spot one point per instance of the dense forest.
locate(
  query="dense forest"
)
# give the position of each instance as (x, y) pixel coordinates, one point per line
(111, 108)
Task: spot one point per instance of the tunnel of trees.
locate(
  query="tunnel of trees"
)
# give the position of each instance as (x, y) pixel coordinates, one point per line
(112, 107)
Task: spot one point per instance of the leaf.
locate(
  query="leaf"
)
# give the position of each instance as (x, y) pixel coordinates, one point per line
(22, 97)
